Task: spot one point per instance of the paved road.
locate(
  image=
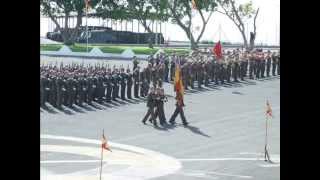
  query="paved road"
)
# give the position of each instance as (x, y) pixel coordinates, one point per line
(225, 139)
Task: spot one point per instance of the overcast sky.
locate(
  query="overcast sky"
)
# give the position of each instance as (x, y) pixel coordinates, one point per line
(268, 25)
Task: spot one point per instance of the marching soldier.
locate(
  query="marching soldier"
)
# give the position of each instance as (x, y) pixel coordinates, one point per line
(151, 105)
(179, 110)
(159, 104)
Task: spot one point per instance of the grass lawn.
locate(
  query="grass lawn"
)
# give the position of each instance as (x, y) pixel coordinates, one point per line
(144, 50)
(112, 49)
(80, 48)
(176, 51)
(50, 47)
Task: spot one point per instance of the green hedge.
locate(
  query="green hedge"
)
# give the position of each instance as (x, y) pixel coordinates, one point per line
(144, 50)
(77, 48)
(111, 49)
(176, 51)
(50, 47)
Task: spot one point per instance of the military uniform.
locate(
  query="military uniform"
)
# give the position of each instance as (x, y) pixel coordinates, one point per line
(59, 83)
(42, 91)
(251, 67)
(159, 104)
(143, 81)
(166, 70)
(115, 92)
(172, 69)
(129, 84)
(228, 70)
(278, 64)
(263, 65)
(136, 83)
(274, 64)
(123, 83)
(109, 82)
(151, 105)
(268, 65)
(179, 110)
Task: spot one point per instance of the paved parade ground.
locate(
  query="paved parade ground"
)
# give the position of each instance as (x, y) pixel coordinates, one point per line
(225, 139)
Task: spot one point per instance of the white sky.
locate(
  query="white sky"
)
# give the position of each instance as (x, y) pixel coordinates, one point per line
(268, 22)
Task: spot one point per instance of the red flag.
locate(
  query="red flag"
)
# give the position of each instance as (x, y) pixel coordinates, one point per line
(218, 50)
(105, 143)
(269, 110)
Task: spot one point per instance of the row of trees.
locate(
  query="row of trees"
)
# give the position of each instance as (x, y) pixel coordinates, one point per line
(175, 11)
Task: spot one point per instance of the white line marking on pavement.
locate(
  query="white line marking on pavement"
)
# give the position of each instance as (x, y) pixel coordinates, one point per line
(208, 174)
(221, 159)
(146, 164)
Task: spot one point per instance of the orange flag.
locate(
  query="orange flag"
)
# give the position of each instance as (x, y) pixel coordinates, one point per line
(269, 110)
(105, 143)
(178, 85)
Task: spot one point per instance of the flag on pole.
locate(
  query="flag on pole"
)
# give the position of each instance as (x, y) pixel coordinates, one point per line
(218, 50)
(105, 143)
(269, 110)
(194, 5)
(178, 85)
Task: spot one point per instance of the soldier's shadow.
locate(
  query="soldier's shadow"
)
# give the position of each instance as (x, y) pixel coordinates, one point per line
(196, 130)
(131, 101)
(49, 109)
(87, 108)
(158, 127)
(247, 82)
(66, 110)
(77, 109)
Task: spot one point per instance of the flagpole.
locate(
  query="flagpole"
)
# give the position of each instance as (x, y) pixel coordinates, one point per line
(87, 25)
(191, 30)
(266, 153)
(101, 157)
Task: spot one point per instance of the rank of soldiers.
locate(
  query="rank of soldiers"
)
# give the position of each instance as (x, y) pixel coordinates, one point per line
(78, 84)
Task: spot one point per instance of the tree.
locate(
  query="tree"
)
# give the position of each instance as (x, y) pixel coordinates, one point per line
(133, 9)
(56, 8)
(238, 14)
(181, 14)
